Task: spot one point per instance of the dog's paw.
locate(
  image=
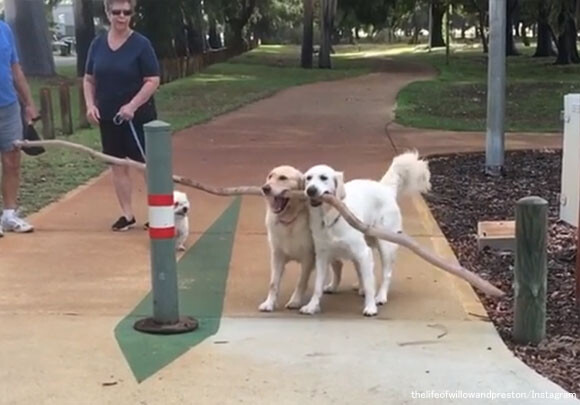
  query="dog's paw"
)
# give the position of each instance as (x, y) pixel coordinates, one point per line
(267, 306)
(294, 303)
(310, 309)
(381, 298)
(370, 310)
(330, 288)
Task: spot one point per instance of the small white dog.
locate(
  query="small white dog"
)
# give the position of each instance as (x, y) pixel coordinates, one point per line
(289, 235)
(181, 207)
(374, 203)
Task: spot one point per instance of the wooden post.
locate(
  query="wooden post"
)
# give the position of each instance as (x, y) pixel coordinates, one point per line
(83, 121)
(530, 271)
(65, 109)
(46, 113)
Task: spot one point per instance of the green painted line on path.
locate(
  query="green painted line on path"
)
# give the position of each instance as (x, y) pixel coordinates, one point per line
(202, 277)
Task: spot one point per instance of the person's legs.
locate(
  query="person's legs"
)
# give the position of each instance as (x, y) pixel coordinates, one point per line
(112, 139)
(123, 189)
(11, 131)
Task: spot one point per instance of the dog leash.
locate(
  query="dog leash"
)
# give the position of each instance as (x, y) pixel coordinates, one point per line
(118, 120)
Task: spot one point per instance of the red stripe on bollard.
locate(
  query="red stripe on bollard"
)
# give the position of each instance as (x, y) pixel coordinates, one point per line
(160, 200)
(162, 233)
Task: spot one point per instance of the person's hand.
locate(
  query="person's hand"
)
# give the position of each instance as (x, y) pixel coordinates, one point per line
(127, 112)
(93, 115)
(30, 113)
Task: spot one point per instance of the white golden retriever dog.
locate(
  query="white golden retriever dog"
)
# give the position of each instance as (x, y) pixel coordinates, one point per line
(374, 203)
(289, 235)
(181, 207)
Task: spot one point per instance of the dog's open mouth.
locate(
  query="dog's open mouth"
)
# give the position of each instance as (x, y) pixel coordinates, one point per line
(279, 204)
(315, 202)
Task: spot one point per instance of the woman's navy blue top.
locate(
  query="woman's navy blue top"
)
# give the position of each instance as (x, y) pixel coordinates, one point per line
(119, 74)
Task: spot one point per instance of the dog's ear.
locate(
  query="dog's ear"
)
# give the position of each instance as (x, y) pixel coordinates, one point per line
(339, 185)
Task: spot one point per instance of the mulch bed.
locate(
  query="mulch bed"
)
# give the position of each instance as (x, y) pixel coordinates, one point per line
(462, 195)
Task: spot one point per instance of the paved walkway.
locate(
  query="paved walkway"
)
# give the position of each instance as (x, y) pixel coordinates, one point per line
(69, 292)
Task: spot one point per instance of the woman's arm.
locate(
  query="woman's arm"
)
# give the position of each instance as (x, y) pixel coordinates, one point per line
(150, 85)
(93, 114)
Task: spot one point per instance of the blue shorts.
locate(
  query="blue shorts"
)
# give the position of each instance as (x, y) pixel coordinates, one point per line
(10, 126)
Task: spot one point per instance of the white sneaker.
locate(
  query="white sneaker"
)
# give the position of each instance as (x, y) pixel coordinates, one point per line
(1, 232)
(15, 224)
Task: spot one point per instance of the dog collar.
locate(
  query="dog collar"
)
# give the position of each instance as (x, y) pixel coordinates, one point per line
(334, 221)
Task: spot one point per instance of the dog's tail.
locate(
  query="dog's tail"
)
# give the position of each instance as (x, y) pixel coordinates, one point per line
(408, 174)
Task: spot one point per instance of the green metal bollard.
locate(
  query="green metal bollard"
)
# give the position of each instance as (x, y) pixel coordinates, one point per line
(530, 271)
(166, 319)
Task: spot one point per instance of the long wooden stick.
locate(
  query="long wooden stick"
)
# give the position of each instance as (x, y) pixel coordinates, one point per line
(398, 238)
(228, 191)
(408, 242)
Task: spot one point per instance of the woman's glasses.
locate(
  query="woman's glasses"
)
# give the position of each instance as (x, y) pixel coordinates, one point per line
(126, 13)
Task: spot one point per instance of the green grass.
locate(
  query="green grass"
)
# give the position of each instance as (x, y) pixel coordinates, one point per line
(198, 98)
(457, 98)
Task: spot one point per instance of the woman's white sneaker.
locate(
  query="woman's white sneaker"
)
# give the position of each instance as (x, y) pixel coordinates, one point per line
(15, 224)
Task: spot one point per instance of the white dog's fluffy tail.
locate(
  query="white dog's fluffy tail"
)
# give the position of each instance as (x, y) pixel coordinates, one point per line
(408, 174)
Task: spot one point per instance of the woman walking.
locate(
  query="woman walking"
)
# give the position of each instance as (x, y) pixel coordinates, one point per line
(121, 76)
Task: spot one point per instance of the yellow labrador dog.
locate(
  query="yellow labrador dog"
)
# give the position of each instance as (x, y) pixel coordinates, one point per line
(289, 235)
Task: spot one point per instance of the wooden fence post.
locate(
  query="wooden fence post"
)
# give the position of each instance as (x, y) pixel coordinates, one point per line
(83, 121)
(46, 113)
(530, 271)
(65, 109)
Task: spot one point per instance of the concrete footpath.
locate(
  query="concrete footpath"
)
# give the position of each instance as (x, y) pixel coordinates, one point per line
(68, 291)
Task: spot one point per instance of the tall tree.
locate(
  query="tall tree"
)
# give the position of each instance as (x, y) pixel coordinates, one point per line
(84, 31)
(563, 21)
(161, 22)
(439, 9)
(545, 43)
(213, 10)
(194, 26)
(307, 35)
(28, 21)
(237, 13)
(327, 14)
(510, 44)
(479, 7)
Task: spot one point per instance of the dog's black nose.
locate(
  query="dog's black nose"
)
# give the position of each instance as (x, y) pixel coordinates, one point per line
(185, 209)
(311, 191)
(266, 189)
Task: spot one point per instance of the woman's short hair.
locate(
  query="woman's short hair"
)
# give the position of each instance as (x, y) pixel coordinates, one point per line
(109, 3)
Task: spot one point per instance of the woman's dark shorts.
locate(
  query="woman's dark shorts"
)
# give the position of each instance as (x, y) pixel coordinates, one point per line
(118, 141)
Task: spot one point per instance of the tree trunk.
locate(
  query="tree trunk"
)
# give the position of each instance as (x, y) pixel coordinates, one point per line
(234, 35)
(567, 49)
(198, 41)
(307, 35)
(511, 6)
(160, 26)
(28, 21)
(328, 11)
(481, 28)
(437, 35)
(545, 46)
(215, 41)
(84, 31)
